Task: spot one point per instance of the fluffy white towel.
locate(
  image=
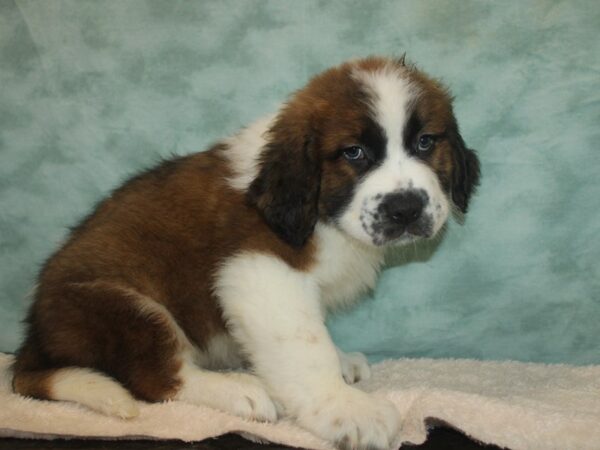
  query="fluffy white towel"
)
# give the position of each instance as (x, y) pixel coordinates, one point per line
(515, 405)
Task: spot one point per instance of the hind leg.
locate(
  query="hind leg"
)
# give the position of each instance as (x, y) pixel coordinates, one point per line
(82, 337)
(119, 332)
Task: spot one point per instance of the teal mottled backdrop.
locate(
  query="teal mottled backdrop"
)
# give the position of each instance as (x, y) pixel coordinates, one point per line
(92, 91)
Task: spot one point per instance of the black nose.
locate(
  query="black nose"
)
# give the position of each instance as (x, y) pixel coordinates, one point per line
(403, 208)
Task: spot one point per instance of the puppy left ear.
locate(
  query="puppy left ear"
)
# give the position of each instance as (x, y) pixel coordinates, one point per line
(286, 189)
(466, 171)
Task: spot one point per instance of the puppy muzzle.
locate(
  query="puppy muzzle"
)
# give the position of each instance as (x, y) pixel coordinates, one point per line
(400, 217)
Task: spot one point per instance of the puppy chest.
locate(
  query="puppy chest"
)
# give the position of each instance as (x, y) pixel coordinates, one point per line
(344, 269)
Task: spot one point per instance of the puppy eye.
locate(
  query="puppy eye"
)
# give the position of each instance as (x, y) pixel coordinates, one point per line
(425, 143)
(354, 153)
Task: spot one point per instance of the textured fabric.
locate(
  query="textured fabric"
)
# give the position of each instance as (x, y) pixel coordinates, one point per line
(91, 92)
(514, 405)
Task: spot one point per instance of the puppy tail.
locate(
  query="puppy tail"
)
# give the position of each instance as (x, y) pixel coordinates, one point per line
(76, 384)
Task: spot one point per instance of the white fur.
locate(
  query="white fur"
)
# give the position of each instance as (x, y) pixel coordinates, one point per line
(244, 150)
(276, 314)
(221, 352)
(345, 268)
(94, 390)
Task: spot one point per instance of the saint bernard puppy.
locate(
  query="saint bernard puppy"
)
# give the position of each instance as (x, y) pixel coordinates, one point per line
(231, 258)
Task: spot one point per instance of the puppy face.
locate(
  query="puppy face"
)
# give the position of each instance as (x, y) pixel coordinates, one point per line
(371, 147)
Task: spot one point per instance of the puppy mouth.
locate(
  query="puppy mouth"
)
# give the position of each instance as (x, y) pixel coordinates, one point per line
(398, 218)
(388, 233)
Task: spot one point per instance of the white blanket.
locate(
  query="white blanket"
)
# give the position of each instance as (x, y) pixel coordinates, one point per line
(514, 405)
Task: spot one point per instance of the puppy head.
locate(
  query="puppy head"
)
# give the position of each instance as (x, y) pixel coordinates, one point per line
(371, 147)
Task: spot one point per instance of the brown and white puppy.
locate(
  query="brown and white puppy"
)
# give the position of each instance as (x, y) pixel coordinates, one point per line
(231, 258)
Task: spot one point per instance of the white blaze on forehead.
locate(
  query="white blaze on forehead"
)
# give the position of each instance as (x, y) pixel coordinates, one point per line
(390, 95)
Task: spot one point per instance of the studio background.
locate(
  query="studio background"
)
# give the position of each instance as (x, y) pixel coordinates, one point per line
(93, 91)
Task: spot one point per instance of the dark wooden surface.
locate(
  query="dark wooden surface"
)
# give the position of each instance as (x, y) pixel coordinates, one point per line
(439, 439)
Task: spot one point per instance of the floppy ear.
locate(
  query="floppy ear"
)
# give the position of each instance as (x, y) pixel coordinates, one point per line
(466, 171)
(286, 190)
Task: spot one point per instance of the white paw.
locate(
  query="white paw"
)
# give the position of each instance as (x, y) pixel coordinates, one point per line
(353, 420)
(240, 394)
(354, 367)
(249, 399)
(95, 390)
(125, 408)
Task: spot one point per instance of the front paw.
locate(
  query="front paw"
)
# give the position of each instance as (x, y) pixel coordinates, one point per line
(353, 420)
(354, 367)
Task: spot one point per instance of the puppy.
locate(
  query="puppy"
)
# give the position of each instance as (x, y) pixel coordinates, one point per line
(231, 258)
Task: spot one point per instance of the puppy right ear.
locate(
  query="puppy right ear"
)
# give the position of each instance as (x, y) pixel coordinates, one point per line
(286, 189)
(466, 171)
